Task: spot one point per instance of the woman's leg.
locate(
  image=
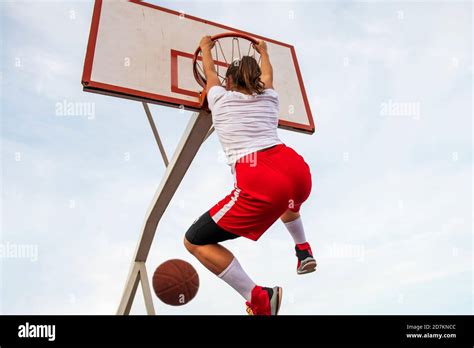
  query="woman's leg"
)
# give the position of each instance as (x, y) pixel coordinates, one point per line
(214, 257)
(222, 263)
(294, 225)
(202, 240)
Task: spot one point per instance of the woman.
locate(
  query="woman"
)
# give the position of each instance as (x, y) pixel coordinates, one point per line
(271, 179)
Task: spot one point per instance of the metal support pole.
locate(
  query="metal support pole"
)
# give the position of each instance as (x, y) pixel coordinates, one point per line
(150, 310)
(211, 130)
(155, 133)
(194, 135)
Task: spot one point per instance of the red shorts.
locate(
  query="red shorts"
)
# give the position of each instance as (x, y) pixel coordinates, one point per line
(268, 183)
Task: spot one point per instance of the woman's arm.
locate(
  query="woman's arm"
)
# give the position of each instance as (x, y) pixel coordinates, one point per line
(209, 68)
(266, 66)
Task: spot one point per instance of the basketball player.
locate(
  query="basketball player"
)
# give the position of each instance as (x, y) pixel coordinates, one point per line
(271, 179)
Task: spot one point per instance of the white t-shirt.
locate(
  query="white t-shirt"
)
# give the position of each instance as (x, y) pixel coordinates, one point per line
(244, 123)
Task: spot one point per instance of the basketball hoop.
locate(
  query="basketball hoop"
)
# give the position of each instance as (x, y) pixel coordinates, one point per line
(198, 69)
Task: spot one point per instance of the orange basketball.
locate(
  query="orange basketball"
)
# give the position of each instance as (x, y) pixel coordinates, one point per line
(175, 282)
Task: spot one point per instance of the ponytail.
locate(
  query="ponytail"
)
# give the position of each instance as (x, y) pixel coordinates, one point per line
(246, 74)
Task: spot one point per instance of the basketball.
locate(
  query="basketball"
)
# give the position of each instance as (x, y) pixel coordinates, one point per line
(175, 282)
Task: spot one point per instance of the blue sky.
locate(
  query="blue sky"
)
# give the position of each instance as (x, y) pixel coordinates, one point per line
(390, 217)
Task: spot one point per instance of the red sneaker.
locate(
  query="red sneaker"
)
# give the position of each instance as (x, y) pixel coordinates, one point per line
(265, 301)
(306, 261)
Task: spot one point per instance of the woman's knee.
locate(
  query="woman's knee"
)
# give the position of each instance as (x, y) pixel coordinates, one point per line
(189, 246)
(289, 216)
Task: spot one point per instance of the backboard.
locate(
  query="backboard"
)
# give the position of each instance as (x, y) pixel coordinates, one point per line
(142, 51)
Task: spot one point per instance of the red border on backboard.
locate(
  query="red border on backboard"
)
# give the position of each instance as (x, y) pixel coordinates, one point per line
(103, 88)
(175, 76)
(86, 75)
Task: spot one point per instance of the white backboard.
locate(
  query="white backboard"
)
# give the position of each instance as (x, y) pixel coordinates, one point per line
(142, 51)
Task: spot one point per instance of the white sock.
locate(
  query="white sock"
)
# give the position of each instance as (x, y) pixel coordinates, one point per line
(235, 276)
(296, 230)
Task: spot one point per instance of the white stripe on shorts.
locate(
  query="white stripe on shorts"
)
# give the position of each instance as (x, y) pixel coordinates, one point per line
(217, 216)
